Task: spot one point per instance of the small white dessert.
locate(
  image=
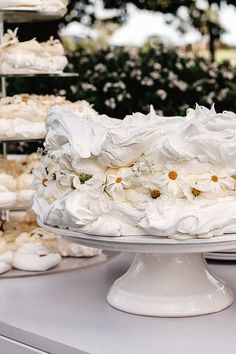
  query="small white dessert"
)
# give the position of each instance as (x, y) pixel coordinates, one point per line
(57, 7)
(4, 267)
(56, 244)
(7, 198)
(16, 189)
(6, 256)
(7, 181)
(69, 249)
(35, 257)
(30, 56)
(144, 175)
(23, 116)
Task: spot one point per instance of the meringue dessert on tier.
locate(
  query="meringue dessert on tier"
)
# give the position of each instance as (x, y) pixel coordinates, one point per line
(54, 6)
(23, 116)
(31, 57)
(25, 246)
(16, 181)
(144, 175)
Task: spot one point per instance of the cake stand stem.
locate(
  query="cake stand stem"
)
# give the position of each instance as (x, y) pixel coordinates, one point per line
(169, 285)
(3, 80)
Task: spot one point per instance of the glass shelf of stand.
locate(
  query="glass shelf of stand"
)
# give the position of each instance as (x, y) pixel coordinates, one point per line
(17, 208)
(20, 16)
(41, 75)
(21, 140)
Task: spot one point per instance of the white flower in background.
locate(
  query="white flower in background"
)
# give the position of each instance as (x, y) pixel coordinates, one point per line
(214, 181)
(174, 181)
(117, 180)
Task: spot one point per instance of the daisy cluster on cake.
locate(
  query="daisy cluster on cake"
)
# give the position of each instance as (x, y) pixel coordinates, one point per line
(31, 57)
(23, 116)
(144, 175)
(54, 6)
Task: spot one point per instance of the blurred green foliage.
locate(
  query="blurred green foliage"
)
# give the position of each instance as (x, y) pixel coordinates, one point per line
(119, 81)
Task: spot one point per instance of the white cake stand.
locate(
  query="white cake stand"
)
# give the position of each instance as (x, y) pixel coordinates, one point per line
(167, 278)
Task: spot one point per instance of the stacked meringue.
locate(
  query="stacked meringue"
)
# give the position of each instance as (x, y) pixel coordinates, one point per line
(16, 181)
(31, 57)
(53, 6)
(146, 175)
(24, 246)
(23, 116)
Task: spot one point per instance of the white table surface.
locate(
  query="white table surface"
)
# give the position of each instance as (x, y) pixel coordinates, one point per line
(68, 314)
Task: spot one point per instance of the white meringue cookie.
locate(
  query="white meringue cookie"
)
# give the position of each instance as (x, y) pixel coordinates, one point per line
(7, 198)
(35, 257)
(23, 116)
(25, 181)
(30, 56)
(21, 129)
(7, 181)
(6, 257)
(68, 249)
(54, 6)
(4, 267)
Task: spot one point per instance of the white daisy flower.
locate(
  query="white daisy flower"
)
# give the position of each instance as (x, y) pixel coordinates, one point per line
(70, 180)
(40, 179)
(45, 185)
(174, 181)
(119, 180)
(214, 181)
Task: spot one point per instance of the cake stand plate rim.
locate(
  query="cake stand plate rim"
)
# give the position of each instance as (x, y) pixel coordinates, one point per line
(147, 244)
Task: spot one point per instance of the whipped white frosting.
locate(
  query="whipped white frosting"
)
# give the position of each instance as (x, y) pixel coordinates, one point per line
(31, 56)
(54, 6)
(147, 174)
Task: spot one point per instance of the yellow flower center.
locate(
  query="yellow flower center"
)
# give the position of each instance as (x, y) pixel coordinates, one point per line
(172, 175)
(234, 176)
(25, 99)
(214, 178)
(44, 182)
(155, 193)
(196, 192)
(118, 180)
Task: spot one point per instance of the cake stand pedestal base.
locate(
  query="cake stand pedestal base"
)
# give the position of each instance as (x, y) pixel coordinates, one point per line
(170, 285)
(168, 278)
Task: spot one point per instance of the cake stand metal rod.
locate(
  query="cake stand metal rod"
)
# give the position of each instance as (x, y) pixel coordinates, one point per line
(3, 79)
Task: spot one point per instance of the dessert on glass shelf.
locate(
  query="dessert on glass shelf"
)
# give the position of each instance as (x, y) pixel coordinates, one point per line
(23, 116)
(16, 181)
(144, 175)
(31, 57)
(25, 246)
(54, 6)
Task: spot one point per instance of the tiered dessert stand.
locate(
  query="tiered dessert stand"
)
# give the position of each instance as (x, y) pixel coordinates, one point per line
(168, 278)
(20, 16)
(29, 16)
